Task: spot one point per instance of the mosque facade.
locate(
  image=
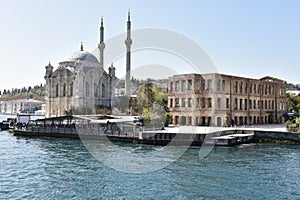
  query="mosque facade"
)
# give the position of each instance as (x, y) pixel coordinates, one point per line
(80, 81)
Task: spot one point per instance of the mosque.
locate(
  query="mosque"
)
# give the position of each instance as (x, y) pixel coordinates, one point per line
(81, 81)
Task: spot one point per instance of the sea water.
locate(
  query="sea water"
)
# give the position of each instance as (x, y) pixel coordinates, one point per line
(57, 168)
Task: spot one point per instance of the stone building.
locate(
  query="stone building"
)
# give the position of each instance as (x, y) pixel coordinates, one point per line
(223, 100)
(80, 81)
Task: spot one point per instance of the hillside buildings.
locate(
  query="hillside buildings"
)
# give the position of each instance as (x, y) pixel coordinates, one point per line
(223, 100)
(21, 105)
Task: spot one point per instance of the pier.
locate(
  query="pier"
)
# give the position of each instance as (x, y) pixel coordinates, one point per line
(118, 128)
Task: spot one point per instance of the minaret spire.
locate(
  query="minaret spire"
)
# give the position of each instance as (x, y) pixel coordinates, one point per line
(101, 45)
(81, 46)
(128, 43)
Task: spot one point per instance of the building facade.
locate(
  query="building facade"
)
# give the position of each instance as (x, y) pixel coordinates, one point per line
(21, 105)
(80, 81)
(223, 100)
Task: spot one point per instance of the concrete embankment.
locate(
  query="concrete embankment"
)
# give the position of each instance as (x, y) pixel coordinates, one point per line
(261, 136)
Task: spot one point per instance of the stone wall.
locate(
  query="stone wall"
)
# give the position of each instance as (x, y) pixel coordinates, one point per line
(277, 135)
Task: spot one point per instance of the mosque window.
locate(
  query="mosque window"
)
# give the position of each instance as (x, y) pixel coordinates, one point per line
(87, 89)
(71, 89)
(64, 90)
(56, 90)
(103, 90)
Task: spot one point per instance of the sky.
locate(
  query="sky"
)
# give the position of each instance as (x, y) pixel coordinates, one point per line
(251, 38)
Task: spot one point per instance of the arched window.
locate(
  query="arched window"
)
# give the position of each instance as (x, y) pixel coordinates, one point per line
(87, 89)
(96, 89)
(56, 91)
(64, 90)
(103, 90)
(71, 89)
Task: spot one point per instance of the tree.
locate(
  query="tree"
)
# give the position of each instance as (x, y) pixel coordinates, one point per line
(292, 103)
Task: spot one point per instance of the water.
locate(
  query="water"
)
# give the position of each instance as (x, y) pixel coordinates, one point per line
(49, 168)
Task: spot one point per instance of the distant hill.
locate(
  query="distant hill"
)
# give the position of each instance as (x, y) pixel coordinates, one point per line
(37, 92)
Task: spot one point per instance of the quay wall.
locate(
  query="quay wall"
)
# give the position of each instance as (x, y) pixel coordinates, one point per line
(273, 135)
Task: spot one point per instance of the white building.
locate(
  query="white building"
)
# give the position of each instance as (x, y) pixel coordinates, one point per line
(21, 105)
(80, 81)
(293, 92)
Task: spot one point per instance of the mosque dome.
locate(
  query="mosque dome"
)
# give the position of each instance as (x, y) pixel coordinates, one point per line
(82, 56)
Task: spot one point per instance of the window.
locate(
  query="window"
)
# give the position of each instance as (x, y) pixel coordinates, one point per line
(246, 104)
(171, 86)
(183, 85)
(171, 102)
(209, 85)
(209, 102)
(96, 89)
(176, 102)
(71, 89)
(203, 85)
(246, 88)
(272, 105)
(227, 103)
(235, 104)
(241, 87)
(241, 104)
(177, 86)
(189, 120)
(219, 85)
(197, 121)
(281, 106)
(250, 104)
(236, 87)
(189, 102)
(208, 121)
(219, 121)
(64, 89)
(103, 90)
(250, 89)
(176, 119)
(197, 103)
(254, 89)
(203, 103)
(189, 84)
(266, 104)
(219, 102)
(223, 85)
(56, 92)
(183, 120)
(266, 89)
(183, 102)
(197, 86)
(87, 89)
(254, 104)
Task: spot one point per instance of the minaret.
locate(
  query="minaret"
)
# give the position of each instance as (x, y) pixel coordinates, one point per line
(48, 89)
(128, 43)
(101, 45)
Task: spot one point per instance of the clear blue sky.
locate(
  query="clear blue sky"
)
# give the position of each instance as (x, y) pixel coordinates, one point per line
(250, 38)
